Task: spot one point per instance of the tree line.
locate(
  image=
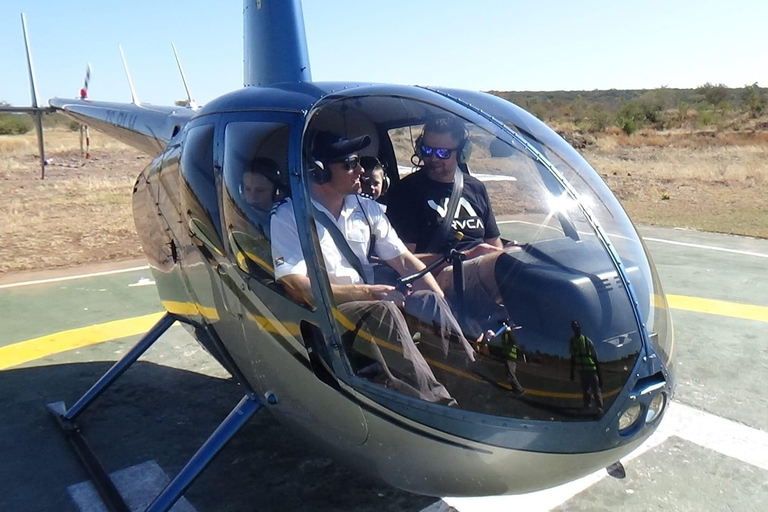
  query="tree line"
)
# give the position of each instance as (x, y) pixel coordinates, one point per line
(664, 108)
(630, 110)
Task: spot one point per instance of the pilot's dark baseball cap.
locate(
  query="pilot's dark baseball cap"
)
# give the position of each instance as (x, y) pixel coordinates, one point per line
(328, 146)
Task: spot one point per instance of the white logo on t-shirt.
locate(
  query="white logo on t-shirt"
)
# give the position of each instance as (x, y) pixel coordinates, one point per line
(471, 222)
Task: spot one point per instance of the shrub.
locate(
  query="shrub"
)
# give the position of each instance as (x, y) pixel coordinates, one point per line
(14, 124)
(706, 118)
(630, 117)
(597, 121)
(754, 99)
(713, 94)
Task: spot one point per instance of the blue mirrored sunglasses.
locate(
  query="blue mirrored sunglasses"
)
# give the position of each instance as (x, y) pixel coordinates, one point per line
(441, 153)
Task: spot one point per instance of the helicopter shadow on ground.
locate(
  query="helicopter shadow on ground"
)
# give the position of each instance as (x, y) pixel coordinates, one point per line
(155, 412)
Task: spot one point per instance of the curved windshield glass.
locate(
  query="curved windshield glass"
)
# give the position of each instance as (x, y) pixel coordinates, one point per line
(596, 195)
(468, 275)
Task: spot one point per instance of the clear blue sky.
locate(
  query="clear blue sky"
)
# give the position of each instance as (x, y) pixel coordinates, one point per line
(479, 44)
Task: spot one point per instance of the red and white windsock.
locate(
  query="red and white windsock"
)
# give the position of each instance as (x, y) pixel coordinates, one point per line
(86, 81)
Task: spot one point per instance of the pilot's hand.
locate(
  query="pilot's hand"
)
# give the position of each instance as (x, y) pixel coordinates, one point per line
(386, 292)
(482, 249)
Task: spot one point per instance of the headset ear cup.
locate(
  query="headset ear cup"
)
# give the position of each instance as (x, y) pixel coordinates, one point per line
(464, 152)
(385, 185)
(417, 149)
(320, 173)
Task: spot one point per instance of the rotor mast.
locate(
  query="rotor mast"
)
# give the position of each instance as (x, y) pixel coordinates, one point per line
(274, 42)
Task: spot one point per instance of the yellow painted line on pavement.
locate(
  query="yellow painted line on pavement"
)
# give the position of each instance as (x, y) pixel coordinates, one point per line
(30, 350)
(719, 307)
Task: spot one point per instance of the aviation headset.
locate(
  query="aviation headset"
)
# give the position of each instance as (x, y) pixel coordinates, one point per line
(463, 151)
(370, 163)
(320, 172)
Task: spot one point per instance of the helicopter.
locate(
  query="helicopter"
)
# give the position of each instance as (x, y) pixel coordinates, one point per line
(577, 259)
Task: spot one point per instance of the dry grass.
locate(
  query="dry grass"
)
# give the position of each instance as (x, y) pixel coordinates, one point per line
(57, 140)
(712, 186)
(81, 212)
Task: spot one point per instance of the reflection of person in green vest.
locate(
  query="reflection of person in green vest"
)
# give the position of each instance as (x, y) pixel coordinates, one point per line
(509, 349)
(584, 357)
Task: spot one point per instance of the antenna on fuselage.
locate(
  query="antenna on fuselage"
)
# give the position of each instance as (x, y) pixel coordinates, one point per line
(190, 102)
(134, 98)
(36, 111)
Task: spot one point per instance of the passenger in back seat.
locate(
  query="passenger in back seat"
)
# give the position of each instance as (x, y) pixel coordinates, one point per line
(261, 189)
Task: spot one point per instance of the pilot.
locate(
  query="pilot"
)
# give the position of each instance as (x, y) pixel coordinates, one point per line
(358, 223)
(584, 357)
(417, 207)
(374, 181)
(260, 189)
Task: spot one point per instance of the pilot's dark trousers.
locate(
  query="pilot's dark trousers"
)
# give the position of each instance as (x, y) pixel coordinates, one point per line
(380, 349)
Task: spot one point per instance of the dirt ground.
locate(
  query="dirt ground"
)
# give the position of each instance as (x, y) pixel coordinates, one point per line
(81, 213)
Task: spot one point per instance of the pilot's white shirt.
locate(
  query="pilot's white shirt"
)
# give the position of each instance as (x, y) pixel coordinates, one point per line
(288, 258)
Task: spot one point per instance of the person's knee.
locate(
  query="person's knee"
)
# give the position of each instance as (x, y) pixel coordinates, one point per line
(382, 308)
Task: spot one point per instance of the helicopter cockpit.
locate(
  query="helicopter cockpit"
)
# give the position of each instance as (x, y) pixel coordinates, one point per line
(571, 255)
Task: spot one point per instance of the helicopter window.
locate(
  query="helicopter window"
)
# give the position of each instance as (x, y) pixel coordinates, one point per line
(199, 195)
(255, 159)
(531, 263)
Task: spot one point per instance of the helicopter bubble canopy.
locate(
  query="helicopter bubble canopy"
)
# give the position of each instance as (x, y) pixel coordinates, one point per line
(504, 347)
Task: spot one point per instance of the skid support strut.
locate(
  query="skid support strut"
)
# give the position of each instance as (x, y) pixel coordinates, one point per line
(65, 418)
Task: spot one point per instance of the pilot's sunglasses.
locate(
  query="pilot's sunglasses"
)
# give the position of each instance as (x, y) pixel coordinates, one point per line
(441, 153)
(350, 163)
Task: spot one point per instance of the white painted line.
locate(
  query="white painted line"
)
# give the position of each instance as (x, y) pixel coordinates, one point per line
(732, 439)
(69, 278)
(493, 177)
(728, 437)
(144, 281)
(650, 239)
(708, 247)
(138, 485)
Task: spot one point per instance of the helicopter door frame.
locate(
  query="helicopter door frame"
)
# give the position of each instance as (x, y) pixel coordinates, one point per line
(315, 322)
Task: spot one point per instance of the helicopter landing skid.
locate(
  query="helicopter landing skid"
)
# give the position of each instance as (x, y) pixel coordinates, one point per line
(65, 418)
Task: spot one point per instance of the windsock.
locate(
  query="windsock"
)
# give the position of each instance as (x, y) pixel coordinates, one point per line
(86, 81)
(85, 134)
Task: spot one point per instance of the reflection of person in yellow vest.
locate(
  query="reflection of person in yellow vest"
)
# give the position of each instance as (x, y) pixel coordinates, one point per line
(509, 349)
(584, 357)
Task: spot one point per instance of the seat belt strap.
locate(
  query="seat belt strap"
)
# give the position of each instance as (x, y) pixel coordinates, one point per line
(437, 245)
(340, 241)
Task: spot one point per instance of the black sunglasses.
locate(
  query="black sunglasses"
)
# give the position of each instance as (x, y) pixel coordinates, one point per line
(351, 162)
(441, 153)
